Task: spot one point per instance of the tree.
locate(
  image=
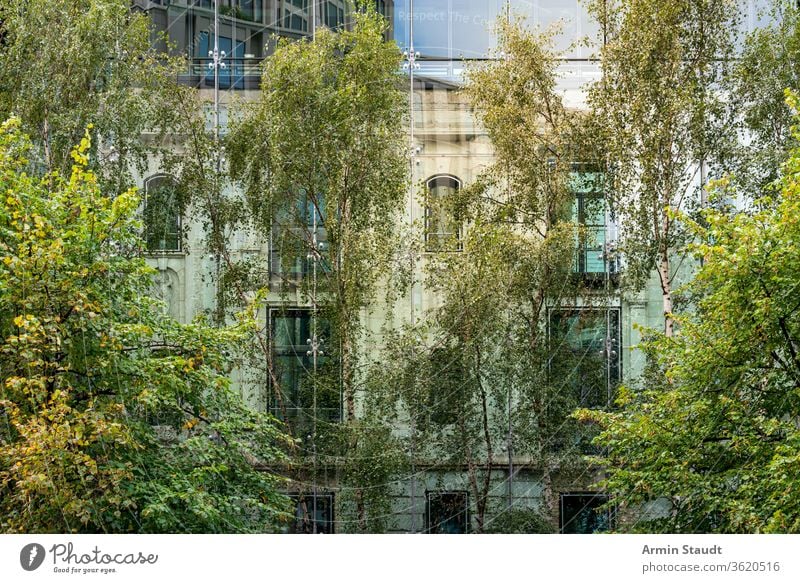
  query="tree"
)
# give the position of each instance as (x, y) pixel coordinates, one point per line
(756, 84)
(65, 64)
(713, 432)
(322, 161)
(113, 418)
(661, 116)
(480, 376)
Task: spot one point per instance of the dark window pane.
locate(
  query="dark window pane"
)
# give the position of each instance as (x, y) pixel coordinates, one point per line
(294, 368)
(447, 512)
(291, 330)
(313, 514)
(585, 353)
(162, 214)
(579, 514)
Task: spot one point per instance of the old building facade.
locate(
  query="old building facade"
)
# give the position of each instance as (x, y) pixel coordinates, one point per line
(448, 150)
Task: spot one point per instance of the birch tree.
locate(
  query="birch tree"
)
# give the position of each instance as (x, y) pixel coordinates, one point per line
(660, 110)
(322, 160)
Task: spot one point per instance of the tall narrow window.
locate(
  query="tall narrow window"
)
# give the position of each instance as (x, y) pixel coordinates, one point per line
(447, 512)
(293, 366)
(580, 513)
(163, 208)
(442, 229)
(589, 209)
(585, 353)
(292, 249)
(334, 14)
(296, 15)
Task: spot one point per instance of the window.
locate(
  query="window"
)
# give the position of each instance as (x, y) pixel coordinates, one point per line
(447, 512)
(313, 514)
(295, 15)
(334, 14)
(584, 344)
(292, 246)
(447, 385)
(248, 10)
(290, 261)
(580, 514)
(442, 230)
(590, 210)
(293, 362)
(163, 208)
(231, 75)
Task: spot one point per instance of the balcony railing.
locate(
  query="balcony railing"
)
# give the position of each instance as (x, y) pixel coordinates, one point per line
(239, 73)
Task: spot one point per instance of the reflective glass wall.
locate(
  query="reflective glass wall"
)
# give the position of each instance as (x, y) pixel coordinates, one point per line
(447, 33)
(450, 150)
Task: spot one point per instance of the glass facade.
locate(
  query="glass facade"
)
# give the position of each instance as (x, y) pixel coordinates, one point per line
(446, 33)
(462, 29)
(450, 150)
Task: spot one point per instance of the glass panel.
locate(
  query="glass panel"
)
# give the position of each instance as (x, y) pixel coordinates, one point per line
(296, 15)
(334, 14)
(562, 14)
(290, 371)
(592, 251)
(455, 29)
(447, 513)
(291, 251)
(579, 514)
(313, 514)
(246, 9)
(448, 28)
(589, 210)
(292, 330)
(442, 231)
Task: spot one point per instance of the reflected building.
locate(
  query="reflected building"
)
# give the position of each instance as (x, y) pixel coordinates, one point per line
(449, 151)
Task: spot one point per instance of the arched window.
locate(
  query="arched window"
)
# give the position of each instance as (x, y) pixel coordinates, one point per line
(163, 207)
(442, 229)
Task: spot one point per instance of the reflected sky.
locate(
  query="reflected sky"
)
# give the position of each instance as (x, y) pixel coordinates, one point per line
(462, 29)
(455, 29)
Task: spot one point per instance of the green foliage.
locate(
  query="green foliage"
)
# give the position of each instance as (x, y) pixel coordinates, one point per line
(66, 64)
(482, 353)
(522, 521)
(661, 119)
(113, 418)
(324, 146)
(369, 472)
(714, 432)
(326, 139)
(768, 64)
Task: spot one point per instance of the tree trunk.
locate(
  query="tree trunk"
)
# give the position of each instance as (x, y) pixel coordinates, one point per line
(487, 441)
(548, 498)
(666, 291)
